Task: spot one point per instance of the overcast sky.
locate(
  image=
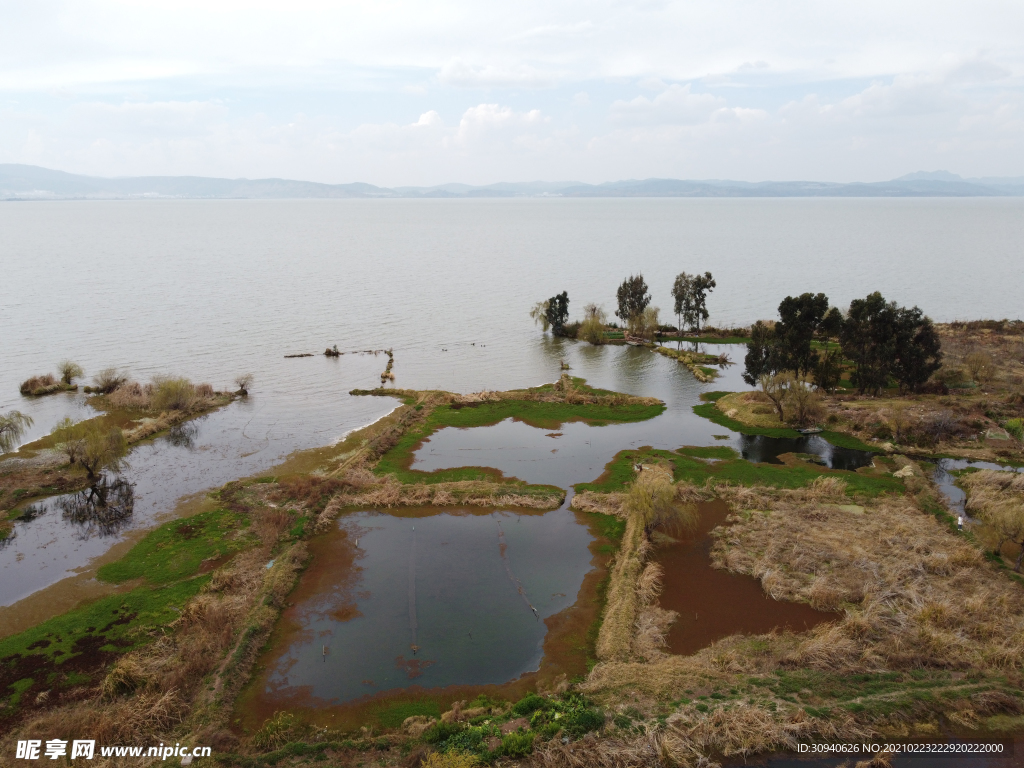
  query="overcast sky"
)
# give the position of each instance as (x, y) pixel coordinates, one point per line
(397, 92)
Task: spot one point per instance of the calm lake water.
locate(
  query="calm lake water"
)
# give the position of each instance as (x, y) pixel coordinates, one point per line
(210, 289)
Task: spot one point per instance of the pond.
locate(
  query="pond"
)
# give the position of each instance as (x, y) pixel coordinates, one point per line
(425, 598)
(713, 603)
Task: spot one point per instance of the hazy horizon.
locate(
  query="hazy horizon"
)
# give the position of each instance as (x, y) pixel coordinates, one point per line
(414, 95)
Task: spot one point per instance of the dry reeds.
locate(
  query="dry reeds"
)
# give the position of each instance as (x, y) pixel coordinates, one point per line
(40, 385)
(998, 499)
(132, 396)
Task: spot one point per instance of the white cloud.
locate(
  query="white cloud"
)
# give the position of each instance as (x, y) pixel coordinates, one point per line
(676, 104)
(462, 75)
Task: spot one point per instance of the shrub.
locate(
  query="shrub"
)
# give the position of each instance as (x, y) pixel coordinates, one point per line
(441, 731)
(804, 405)
(69, 371)
(244, 381)
(529, 704)
(517, 744)
(204, 391)
(277, 731)
(107, 380)
(582, 721)
(1016, 428)
(173, 395)
(39, 385)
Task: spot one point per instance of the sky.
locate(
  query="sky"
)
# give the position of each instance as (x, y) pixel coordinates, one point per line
(402, 92)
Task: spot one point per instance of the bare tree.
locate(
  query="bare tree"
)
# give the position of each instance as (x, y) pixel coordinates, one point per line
(243, 382)
(776, 387)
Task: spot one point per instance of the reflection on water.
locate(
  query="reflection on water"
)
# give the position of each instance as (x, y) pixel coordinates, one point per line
(103, 509)
(759, 448)
(429, 600)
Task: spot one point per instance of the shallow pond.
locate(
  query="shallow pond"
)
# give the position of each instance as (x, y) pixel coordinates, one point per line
(713, 603)
(425, 598)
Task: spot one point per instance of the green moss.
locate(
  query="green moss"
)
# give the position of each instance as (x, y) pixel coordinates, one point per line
(114, 623)
(394, 714)
(177, 548)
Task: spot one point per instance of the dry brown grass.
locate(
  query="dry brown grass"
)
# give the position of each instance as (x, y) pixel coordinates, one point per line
(40, 385)
(132, 396)
(998, 499)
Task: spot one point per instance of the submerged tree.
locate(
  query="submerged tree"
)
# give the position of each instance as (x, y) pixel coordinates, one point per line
(633, 298)
(69, 371)
(243, 382)
(12, 428)
(557, 312)
(691, 297)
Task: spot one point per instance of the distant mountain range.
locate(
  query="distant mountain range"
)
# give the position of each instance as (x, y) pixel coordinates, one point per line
(30, 182)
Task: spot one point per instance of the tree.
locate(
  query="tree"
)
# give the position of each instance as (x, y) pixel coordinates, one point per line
(69, 371)
(828, 371)
(762, 356)
(776, 387)
(646, 327)
(12, 428)
(868, 339)
(887, 341)
(690, 294)
(682, 292)
(91, 446)
(243, 382)
(557, 312)
(539, 313)
(918, 349)
(800, 318)
(633, 298)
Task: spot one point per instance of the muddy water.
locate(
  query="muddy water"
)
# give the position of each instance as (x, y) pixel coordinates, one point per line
(426, 598)
(713, 603)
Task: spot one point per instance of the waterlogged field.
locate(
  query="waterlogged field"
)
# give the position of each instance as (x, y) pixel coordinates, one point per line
(425, 599)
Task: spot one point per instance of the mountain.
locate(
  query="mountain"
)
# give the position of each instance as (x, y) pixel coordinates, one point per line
(30, 182)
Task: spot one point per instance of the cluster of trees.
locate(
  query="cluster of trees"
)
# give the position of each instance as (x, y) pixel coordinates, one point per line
(880, 341)
(633, 298)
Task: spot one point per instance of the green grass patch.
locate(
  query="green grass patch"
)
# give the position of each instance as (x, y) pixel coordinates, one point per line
(709, 452)
(176, 549)
(619, 473)
(114, 623)
(394, 714)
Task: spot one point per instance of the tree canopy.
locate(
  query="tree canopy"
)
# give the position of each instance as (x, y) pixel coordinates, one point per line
(690, 294)
(633, 298)
(557, 312)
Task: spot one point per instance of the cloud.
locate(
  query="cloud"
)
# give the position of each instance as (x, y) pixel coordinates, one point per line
(676, 104)
(461, 75)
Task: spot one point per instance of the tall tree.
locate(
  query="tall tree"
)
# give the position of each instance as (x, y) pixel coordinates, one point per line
(557, 312)
(633, 298)
(682, 292)
(800, 318)
(868, 339)
(762, 357)
(918, 349)
(691, 298)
